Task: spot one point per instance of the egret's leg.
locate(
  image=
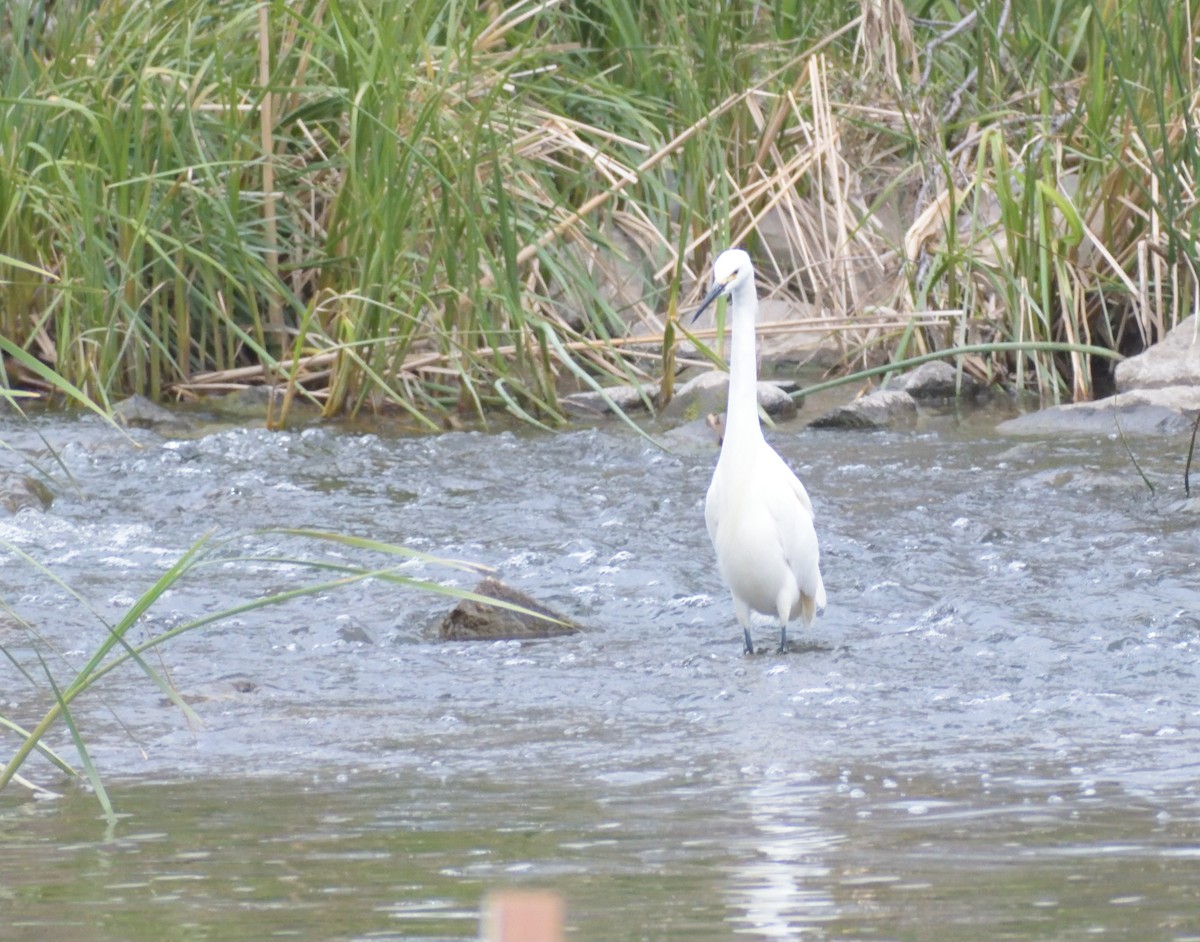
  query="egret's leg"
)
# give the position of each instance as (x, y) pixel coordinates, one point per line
(743, 615)
(784, 605)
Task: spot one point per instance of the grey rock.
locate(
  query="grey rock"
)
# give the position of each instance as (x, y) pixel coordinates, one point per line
(936, 381)
(250, 402)
(590, 403)
(709, 393)
(884, 408)
(19, 491)
(477, 621)
(140, 412)
(1173, 361)
(699, 437)
(1189, 505)
(1167, 411)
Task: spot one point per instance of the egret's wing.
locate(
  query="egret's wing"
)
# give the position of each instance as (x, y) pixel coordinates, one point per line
(790, 507)
(798, 488)
(712, 509)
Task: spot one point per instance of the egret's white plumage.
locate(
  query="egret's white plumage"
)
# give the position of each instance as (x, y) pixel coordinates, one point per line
(759, 516)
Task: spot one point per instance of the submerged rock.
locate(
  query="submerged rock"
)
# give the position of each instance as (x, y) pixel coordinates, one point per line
(19, 491)
(140, 412)
(470, 620)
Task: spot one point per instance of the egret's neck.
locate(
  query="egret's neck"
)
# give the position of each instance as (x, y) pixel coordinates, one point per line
(741, 417)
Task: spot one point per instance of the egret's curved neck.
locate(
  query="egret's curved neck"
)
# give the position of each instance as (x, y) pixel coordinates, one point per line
(741, 417)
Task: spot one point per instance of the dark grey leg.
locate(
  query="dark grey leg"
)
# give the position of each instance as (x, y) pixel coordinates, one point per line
(749, 643)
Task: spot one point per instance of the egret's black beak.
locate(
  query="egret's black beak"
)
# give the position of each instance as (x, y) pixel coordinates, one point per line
(716, 291)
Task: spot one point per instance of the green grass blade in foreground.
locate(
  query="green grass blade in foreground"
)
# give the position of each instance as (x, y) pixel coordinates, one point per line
(91, 671)
(37, 367)
(97, 667)
(25, 266)
(566, 359)
(358, 574)
(118, 636)
(41, 747)
(501, 387)
(85, 758)
(379, 547)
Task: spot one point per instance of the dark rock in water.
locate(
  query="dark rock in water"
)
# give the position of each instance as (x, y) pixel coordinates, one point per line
(885, 408)
(355, 634)
(140, 412)
(18, 491)
(250, 402)
(477, 621)
(936, 381)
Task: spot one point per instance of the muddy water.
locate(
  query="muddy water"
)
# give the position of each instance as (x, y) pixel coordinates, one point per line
(991, 734)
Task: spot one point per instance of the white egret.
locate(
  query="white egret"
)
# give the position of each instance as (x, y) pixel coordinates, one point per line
(759, 515)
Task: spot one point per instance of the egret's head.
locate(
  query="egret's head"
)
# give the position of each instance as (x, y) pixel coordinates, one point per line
(731, 269)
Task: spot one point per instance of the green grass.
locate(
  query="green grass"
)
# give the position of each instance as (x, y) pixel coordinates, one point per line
(62, 681)
(426, 207)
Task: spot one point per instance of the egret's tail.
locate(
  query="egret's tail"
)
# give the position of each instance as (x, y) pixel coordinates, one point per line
(811, 604)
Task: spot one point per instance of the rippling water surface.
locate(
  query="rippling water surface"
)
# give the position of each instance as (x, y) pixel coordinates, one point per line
(991, 733)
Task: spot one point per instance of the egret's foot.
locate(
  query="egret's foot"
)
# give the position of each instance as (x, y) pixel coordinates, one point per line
(806, 647)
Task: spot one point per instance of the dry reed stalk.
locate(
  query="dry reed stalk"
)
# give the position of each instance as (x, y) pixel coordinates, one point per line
(444, 363)
(671, 147)
(886, 38)
(508, 19)
(266, 119)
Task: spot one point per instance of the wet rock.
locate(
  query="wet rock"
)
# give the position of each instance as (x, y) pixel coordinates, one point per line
(224, 690)
(626, 398)
(250, 402)
(709, 392)
(1166, 411)
(1189, 505)
(140, 412)
(936, 381)
(1173, 361)
(884, 408)
(354, 634)
(1158, 394)
(701, 436)
(477, 621)
(1084, 479)
(19, 491)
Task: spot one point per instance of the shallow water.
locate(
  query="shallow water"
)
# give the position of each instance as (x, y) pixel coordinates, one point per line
(991, 733)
